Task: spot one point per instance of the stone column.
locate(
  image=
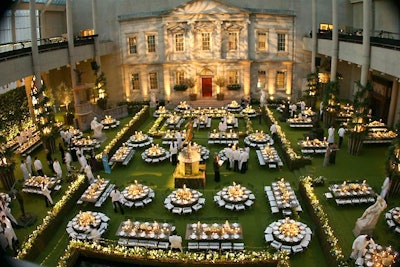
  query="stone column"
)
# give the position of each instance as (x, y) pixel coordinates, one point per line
(271, 82)
(366, 41)
(167, 83)
(13, 32)
(144, 83)
(289, 76)
(246, 79)
(314, 35)
(70, 34)
(335, 41)
(35, 49)
(393, 103)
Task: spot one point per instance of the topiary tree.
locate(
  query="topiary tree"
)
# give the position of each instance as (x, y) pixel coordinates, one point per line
(331, 103)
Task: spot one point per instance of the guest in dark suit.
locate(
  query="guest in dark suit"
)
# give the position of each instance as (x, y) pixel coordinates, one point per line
(216, 165)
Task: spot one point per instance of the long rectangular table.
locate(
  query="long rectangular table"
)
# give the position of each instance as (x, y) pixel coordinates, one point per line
(352, 193)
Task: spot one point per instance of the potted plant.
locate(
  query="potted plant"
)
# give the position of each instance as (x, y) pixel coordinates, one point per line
(190, 83)
(220, 82)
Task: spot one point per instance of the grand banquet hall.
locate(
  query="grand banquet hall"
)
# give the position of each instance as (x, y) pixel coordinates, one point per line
(198, 133)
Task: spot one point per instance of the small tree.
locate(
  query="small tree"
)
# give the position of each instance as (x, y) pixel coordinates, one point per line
(100, 87)
(220, 82)
(64, 95)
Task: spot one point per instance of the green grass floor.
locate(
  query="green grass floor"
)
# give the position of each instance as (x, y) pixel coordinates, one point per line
(368, 165)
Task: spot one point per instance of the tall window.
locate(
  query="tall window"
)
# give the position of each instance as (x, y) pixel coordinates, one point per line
(180, 77)
(233, 41)
(205, 41)
(281, 42)
(151, 43)
(135, 81)
(280, 79)
(261, 79)
(261, 40)
(153, 80)
(179, 42)
(132, 45)
(233, 77)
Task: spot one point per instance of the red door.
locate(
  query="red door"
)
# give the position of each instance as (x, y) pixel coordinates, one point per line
(206, 86)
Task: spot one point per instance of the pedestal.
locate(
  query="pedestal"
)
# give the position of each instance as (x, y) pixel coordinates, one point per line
(7, 176)
(355, 144)
(194, 181)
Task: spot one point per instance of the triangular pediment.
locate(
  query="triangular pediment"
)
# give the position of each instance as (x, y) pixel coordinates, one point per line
(196, 7)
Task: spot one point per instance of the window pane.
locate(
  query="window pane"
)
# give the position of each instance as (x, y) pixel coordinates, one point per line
(151, 43)
(280, 79)
(261, 79)
(262, 40)
(180, 77)
(135, 81)
(132, 45)
(281, 42)
(153, 80)
(232, 77)
(233, 42)
(179, 45)
(205, 41)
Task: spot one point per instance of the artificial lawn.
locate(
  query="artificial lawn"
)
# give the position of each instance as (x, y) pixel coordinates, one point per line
(368, 165)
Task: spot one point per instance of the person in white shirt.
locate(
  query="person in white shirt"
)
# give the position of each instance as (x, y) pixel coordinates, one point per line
(68, 160)
(273, 129)
(82, 161)
(359, 246)
(116, 198)
(176, 241)
(89, 173)
(385, 187)
(173, 149)
(331, 135)
(28, 162)
(46, 193)
(228, 154)
(9, 232)
(57, 168)
(38, 166)
(243, 159)
(24, 170)
(94, 235)
(341, 133)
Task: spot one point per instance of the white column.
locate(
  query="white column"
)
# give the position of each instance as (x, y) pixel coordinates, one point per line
(167, 83)
(366, 42)
(335, 41)
(314, 35)
(70, 34)
(13, 34)
(35, 49)
(393, 103)
(246, 79)
(96, 39)
(144, 83)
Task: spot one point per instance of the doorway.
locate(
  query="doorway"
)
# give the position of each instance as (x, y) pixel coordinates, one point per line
(206, 87)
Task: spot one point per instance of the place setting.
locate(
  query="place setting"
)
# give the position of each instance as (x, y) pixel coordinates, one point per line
(234, 197)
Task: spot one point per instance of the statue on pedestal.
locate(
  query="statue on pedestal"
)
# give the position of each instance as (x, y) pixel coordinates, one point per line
(366, 223)
(96, 127)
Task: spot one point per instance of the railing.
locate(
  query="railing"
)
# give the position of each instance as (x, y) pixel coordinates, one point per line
(379, 41)
(14, 50)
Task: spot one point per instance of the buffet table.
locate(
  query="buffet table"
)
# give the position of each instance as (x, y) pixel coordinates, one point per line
(144, 234)
(268, 156)
(393, 219)
(300, 122)
(97, 192)
(288, 235)
(34, 184)
(123, 155)
(234, 197)
(352, 193)
(30, 145)
(223, 138)
(282, 197)
(204, 236)
(137, 195)
(80, 226)
(184, 201)
(85, 143)
(314, 146)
